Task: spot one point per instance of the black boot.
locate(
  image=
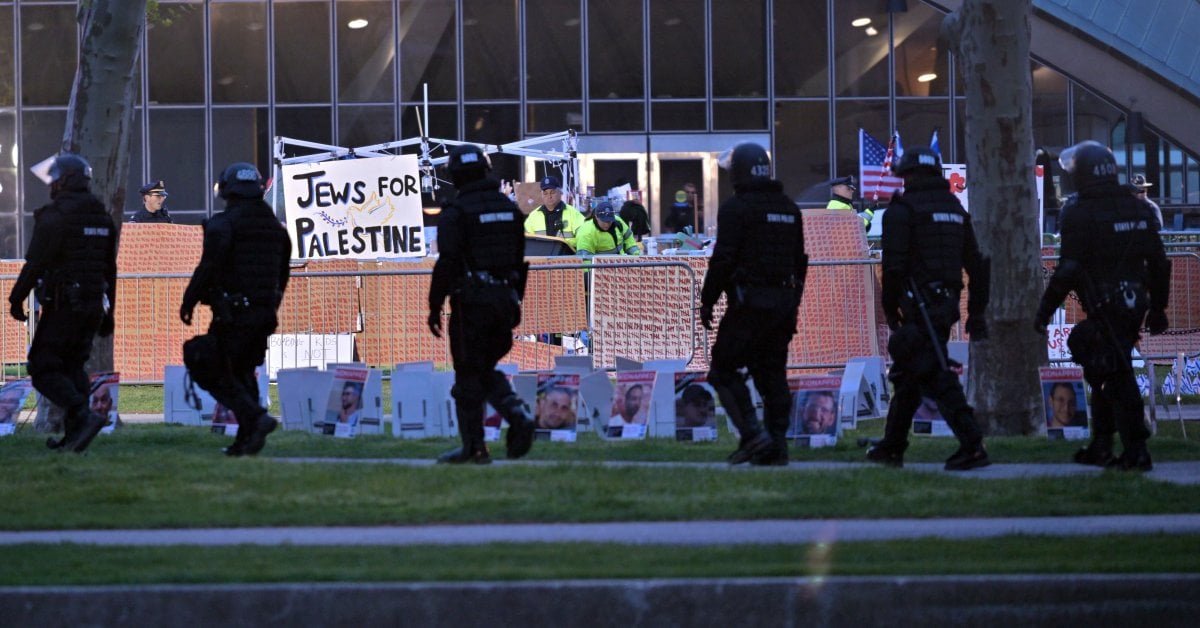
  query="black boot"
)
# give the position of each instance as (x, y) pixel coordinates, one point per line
(887, 454)
(258, 431)
(238, 446)
(70, 429)
(748, 448)
(1098, 453)
(968, 456)
(82, 425)
(470, 429)
(775, 455)
(1136, 457)
(519, 438)
(474, 452)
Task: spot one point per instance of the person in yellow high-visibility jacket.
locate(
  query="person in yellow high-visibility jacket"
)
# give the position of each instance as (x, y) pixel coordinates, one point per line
(842, 192)
(554, 217)
(606, 234)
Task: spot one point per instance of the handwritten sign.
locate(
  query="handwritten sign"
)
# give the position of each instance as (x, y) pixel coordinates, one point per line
(287, 351)
(355, 208)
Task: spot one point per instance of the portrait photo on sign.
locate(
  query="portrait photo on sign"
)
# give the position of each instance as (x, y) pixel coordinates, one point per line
(345, 398)
(105, 390)
(695, 408)
(557, 402)
(1065, 402)
(814, 405)
(631, 402)
(12, 399)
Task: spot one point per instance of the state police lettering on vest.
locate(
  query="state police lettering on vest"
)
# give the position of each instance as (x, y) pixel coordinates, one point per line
(1113, 259)
(759, 266)
(71, 265)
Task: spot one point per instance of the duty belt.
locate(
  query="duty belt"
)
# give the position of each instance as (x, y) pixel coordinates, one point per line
(485, 277)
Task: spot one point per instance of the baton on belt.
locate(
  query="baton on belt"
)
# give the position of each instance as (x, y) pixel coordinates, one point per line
(919, 298)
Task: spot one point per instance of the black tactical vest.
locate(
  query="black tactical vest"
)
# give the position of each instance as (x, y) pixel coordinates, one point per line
(259, 244)
(87, 242)
(937, 232)
(1110, 233)
(493, 228)
(770, 224)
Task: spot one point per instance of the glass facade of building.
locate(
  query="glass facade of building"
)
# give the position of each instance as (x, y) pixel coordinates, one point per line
(220, 79)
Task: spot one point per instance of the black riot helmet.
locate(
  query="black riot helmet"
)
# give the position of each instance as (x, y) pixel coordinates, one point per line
(467, 163)
(746, 161)
(918, 160)
(1089, 163)
(240, 179)
(70, 172)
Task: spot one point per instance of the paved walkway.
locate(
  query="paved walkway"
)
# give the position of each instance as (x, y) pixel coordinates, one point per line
(1174, 472)
(652, 533)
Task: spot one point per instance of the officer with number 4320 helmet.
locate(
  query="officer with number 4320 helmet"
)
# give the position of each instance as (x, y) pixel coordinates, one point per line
(759, 264)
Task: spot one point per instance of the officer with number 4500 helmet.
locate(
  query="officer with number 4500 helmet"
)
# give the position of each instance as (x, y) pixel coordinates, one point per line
(759, 264)
(1113, 259)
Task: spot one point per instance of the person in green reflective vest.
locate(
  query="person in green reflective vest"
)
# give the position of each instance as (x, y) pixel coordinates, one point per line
(606, 234)
(554, 217)
(841, 192)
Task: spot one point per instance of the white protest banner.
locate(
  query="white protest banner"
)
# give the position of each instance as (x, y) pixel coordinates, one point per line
(355, 208)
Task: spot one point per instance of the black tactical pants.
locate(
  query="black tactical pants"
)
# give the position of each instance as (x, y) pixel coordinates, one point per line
(917, 372)
(242, 345)
(481, 327)
(1116, 401)
(61, 346)
(756, 339)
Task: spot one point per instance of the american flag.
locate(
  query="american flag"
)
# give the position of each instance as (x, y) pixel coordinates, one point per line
(874, 167)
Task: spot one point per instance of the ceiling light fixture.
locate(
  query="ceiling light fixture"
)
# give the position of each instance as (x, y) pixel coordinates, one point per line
(356, 24)
(871, 32)
(860, 22)
(925, 78)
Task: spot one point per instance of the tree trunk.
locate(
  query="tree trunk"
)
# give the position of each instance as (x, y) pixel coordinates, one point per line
(98, 121)
(101, 111)
(991, 41)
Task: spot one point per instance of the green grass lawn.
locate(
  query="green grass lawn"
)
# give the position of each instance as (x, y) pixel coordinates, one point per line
(166, 476)
(67, 564)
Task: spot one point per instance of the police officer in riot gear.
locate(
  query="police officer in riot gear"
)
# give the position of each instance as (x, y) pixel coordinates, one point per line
(1113, 259)
(927, 243)
(242, 274)
(759, 264)
(71, 266)
(481, 268)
